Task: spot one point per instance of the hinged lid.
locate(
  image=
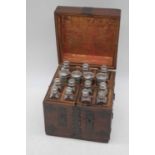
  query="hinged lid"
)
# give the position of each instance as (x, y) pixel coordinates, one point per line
(87, 35)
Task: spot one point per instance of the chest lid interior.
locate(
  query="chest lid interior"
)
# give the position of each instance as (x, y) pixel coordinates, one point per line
(87, 35)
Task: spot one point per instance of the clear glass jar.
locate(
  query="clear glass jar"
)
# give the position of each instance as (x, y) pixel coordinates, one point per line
(71, 83)
(77, 76)
(63, 75)
(101, 77)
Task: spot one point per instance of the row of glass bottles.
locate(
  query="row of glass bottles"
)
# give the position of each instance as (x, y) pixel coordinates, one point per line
(64, 73)
(86, 95)
(58, 87)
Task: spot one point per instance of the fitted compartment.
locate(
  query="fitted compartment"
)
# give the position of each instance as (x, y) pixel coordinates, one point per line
(93, 68)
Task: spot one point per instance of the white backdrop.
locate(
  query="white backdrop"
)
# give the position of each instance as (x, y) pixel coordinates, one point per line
(41, 65)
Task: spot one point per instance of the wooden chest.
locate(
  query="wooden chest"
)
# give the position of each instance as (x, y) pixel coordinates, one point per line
(84, 35)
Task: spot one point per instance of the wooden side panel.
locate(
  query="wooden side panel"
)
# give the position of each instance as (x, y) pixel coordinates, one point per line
(58, 120)
(95, 124)
(78, 122)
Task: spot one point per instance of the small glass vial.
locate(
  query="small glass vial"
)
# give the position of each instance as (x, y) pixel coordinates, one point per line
(86, 98)
(85, 67)
(66, 64)
(63, 75)
(101, 77)
(88, 76)
(71, 83)
(69, 94)
(57, 83)
(101, 97)
(88, 85)
(54, 92)
(103, 85)
(104, 69)
(76, 75)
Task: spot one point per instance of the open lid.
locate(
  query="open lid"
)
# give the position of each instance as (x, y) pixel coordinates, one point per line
(87, 35)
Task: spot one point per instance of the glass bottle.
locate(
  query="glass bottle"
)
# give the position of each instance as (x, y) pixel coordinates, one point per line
(101, 97)
(66, 64)
(88, 76)
(85, 67)
(54, 92)
(101, 77)
(104, 69)
(57, 83)
(63, 75)
(71, 83)
(77, 76)
(69, 94)
(86, 97)
(88, 85)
